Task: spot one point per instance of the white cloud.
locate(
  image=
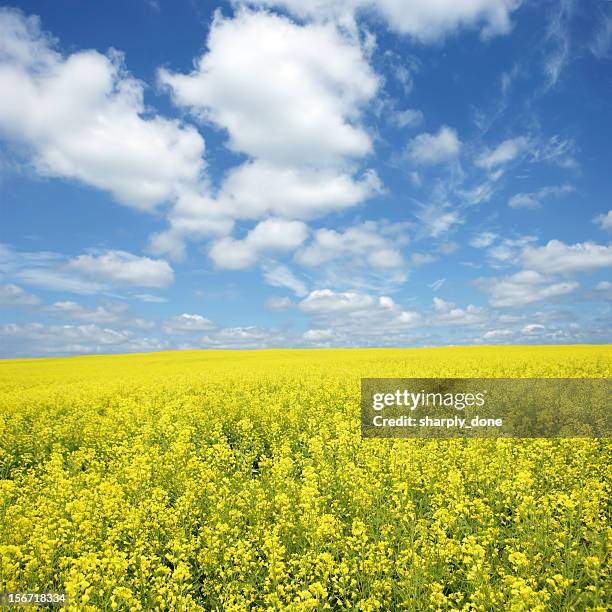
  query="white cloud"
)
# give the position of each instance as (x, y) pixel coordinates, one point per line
(534, 199)
(83, 117)
(483, 240)
(37, 339)
(437, 220)
(44, 269)
(95, 272)
(409, 117)
(357, 319)
(494, 334)
(559, 258)
(291, 98)
(271, 235)
(434, 148)
(371, 243)
(602, 42)
(257, 188)
(447, 248)
(318, 336)
(504, 153)
(424, 20)
(243, 337)
(12, 295)
(187, 323)
(533, 329)
(604, 286)
(524, 200)
(148, 297)
(509, 250)
(58, 280)
(440, 305)
(324, 301)
(282, 276)
(555, 150)
(288, 94)
(194, 216)
(102, 315)
(604, 221)
(524, 287)
(356, 306)
(558, 39)
(483, 192)
(420, 259)
(536, 281)
(446, 313)
(123, 268)
(278, 303)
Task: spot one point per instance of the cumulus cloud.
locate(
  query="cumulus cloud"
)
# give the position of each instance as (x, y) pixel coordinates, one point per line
(326, 301)
(269, 236)
(496, 334)
(524, 287)
(90, 273)
(285, 93)
(423, 20)
(351, 318)
(35, 339)
(12, 295)
(319, 336)
(291, 98)
(82, 116)
(509, 250)
(123, 268)
(446, 313)
(257, 188)
(372, 243)
(355, 306)
(45, 269)
(101, 314)
(557, 257)
(187, 323)
(243, 338)
(426, 148)
(504, 153)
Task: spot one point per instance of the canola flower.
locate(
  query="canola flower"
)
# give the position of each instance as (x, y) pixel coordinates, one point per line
(238, 480)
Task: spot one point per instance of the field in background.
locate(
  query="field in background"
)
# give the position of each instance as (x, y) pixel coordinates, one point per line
(237, 480)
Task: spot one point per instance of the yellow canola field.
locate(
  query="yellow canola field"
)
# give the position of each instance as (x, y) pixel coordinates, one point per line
(238, 480)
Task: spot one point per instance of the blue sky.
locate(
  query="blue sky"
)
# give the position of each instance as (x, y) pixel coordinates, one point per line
(304, 173)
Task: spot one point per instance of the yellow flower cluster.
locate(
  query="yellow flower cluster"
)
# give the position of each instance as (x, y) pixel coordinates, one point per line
(220, 480)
